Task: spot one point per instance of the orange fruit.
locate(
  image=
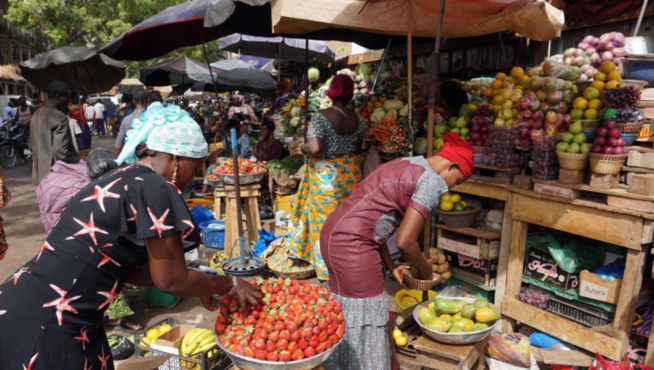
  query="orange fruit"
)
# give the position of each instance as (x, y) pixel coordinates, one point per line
(447, 205)
(500, 76)
(611, 85)
(613, 76)
(595, 104)
(591, 93)
(517, 72)
(591, 114)
(496, 84)
(599, 85)
(580, 103)
(599, 76)
(607, 67)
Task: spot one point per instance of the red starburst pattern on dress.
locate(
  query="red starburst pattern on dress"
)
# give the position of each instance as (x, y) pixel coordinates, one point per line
(84, 338)
(100, 193)
(62, 303)
(158, 223)
(106, 259)
(32, 361)
(110, 295)
(18, 273)
(89, 228)
(45, 246)
(103, 359)
(138, 178)
(134, 211)
(86, 364)
(176, 188)
(190, 223)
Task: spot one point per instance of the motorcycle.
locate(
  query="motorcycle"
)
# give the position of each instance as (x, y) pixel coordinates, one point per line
(13, 145)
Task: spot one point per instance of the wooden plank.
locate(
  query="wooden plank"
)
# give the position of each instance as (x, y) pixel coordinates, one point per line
(557, 191)
(484, 189)
(449, 353)
(482, 166)
(628, 298)
(587, 338)
(633, 204)
(478, 231)
(619, 192)
(505, 252)
(586, 203)
(636, 169)
(649, 357)
(514, 266)
(605, 226)
(648, 232)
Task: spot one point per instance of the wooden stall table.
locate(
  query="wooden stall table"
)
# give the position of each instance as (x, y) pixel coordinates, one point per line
(485, 187)
(626, 228)
(250, 198)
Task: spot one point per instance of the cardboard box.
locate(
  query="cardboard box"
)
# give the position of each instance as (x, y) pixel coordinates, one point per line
(593, 287)
(467, 245)
(541, 266)
(170, 341)
(141, 363)
(480, 266)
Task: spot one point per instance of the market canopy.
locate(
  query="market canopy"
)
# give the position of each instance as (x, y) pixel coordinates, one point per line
(84, 69)
(535, 19)
(178, 71)
(241, 79)
(291, 49)
(229, 64)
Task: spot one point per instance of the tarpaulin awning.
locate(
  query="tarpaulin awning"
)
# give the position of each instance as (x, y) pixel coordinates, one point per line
(291, 49)
(177, 71)
(535, 19)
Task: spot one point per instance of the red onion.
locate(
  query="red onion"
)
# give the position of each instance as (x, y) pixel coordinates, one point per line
(569, 61)
(583, 45)
(609, 46)
(615, 133)
(619, 52)
(607, 56)
(621, 142)
(620, 150)
(594, 42)
(569, 53)
(601, 45)
(588, 39)
(583, 78)
(605, 38)
(579, 61)
(608, 150)
(596, 149)
(595, 58)
(590, 51)
(619, 39)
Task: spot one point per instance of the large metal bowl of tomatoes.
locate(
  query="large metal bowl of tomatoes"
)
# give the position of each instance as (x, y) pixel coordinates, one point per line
(296, 326)
(249, 172)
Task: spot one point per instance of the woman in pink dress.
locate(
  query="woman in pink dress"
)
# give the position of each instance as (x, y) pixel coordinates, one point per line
(399, 194)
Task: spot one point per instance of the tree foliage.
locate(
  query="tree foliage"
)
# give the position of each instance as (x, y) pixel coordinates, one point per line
(92, 23)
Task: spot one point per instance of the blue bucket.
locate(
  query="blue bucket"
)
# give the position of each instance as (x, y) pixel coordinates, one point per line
(213, 237)
(629, 139)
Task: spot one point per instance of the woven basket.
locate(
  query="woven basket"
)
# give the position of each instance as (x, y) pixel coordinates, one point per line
(572, 161)
(478, 149)
(630, 127)
(417, 284)
(606, 164)
(590, 124)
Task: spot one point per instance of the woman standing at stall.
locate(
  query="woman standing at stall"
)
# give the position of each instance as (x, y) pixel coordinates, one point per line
(334, 137)
(129, 226)
(400, 193)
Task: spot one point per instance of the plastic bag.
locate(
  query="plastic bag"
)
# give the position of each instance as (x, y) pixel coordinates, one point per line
(200, 214)
(572, 256)
(600, 363)
(513, 349)
(265, 238)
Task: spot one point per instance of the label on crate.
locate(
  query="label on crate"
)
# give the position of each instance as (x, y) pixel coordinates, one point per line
(541, 266)
(458, 247)
(593, 291)
(483, 266)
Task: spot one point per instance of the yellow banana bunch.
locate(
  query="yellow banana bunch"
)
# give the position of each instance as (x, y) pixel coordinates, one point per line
(196, 341)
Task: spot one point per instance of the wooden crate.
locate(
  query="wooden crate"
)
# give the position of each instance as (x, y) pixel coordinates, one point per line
(481, 242)
(440, 356)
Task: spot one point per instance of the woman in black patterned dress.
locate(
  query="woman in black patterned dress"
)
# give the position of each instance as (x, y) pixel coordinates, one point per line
(129, 226)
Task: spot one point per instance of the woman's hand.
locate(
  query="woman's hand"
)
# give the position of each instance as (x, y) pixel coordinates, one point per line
(398, 273)
(210, 302)
(246, 293)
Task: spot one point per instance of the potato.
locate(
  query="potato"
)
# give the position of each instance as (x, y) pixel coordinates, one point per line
(446, 275)
(443, 267)
(433, 252)
(441, 258)
(434, 268)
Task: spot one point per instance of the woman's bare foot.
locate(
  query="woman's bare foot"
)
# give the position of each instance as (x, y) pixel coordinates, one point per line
(131, 325)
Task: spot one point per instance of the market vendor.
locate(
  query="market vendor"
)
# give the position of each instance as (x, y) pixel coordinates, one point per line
(268, 148)
(399, 194)
(129, 226)
(334, 138)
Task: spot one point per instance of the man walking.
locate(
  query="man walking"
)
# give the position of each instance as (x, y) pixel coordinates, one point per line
(89, 113)
(99, 119)
(50, 136)
(110, 115)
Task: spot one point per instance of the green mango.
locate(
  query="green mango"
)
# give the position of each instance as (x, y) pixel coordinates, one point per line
(447, 306)
(468, 311)
(479, 326)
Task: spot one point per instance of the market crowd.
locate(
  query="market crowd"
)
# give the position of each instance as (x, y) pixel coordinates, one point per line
(117, 218)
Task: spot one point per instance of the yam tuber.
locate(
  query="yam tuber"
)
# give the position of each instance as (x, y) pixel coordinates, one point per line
(443, 267)
(433, 252)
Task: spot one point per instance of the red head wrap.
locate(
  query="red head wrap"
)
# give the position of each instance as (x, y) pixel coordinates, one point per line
(459, 151)
(341, 85)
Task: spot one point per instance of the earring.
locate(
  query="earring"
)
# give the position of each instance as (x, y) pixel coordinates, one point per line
(175, 171)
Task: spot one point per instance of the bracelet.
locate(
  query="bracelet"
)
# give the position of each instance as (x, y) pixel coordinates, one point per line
(234, 285)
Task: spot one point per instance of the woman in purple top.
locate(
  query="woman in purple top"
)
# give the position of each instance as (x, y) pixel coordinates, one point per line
(399, 194)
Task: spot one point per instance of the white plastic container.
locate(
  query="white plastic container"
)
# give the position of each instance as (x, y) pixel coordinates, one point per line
(639, 45)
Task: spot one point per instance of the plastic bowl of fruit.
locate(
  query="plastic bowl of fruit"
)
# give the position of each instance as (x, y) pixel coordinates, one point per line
(629, 139)
(248, 363)
(448, 328)
(462, 218)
